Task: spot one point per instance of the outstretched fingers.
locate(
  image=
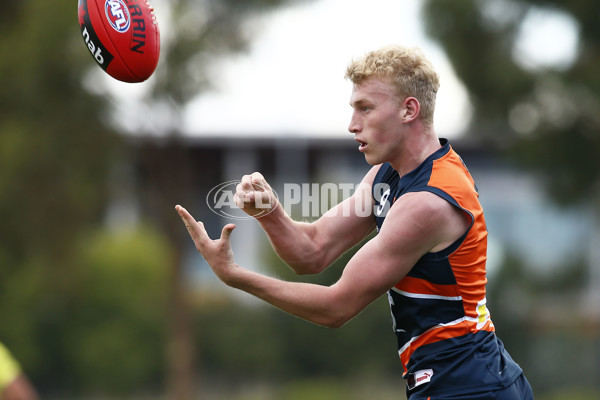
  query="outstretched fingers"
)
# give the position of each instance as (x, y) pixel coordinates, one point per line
(195, 228)
(198, 232)
(226, 232)
(217, 253)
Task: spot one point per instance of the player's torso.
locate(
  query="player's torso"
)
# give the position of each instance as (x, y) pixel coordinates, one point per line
(443, 296)
(446, 339)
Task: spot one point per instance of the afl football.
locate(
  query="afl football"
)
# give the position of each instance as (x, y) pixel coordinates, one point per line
(122, 36)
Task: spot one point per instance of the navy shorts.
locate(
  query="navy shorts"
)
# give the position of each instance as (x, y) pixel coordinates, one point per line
(519, 390)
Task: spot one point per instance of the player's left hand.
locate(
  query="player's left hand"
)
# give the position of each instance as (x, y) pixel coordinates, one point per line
(217, 253)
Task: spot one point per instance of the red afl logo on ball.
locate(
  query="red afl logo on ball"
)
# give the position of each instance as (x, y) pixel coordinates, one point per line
(118, 15)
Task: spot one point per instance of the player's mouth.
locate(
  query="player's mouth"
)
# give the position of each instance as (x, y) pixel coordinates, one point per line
(361, 145)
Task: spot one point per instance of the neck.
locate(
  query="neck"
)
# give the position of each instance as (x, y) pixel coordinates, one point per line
(415, 149)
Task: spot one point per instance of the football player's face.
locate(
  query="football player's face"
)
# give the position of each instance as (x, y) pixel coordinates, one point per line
(376, 119)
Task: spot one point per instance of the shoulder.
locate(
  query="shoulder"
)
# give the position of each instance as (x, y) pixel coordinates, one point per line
(423, 206)
(364, 188)
(425, 221)
(374, 173)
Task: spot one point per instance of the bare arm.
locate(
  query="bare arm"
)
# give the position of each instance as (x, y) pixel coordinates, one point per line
(416, 224)
(310, 247)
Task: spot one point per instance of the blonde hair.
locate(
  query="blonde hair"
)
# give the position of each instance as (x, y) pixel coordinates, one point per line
(407, 69)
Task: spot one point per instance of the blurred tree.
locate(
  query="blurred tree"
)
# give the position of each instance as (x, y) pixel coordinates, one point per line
(548, 116)
(56, 145)
(53, 156)
(277, 347)
(119, 318)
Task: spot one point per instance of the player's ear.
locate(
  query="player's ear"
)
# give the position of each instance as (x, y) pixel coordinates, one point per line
(411, 109)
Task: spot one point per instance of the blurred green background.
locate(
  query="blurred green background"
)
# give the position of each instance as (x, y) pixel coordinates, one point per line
(98, 306)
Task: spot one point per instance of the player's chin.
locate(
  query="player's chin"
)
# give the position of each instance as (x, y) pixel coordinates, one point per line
(372, 159)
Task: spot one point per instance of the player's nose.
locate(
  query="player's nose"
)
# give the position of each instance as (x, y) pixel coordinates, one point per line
(354, 126)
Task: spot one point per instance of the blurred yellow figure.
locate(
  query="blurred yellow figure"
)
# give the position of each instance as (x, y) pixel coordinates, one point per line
(14, 385)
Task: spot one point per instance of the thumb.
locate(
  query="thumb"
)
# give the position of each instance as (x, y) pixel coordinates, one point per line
(226, 232)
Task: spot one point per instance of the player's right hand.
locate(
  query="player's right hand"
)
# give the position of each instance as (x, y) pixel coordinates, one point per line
(254, 195)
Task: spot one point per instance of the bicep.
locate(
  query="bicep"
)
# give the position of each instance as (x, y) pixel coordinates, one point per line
(411, 229)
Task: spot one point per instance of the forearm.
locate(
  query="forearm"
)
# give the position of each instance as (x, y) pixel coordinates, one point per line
(319, 304)
(295, 242)
(307, 248)
(369, 274)
(313, 303)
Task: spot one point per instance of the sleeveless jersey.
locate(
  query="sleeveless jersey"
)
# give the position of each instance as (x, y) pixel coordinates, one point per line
(446, 339)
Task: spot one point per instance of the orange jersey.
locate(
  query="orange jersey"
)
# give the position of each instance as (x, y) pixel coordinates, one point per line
(442, 300)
